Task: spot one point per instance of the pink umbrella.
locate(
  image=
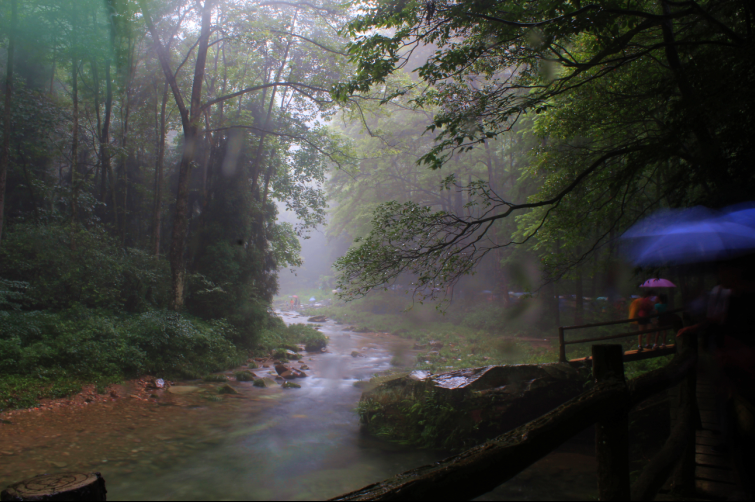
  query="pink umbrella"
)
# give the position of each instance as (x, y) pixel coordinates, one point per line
(658, 283)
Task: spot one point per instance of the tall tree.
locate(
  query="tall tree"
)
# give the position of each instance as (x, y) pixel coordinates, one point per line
(5, 154)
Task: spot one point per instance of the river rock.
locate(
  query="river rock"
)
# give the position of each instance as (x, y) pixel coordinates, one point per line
(483, 402)
(319, 318)
(303, 367)
(356, 354)
(291, 385)
(155, 383)
(226, 389)
(182, 389)
(245, 376)
(259, 383)
(289, 373)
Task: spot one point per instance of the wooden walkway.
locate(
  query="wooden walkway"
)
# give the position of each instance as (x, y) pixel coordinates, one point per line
(714, 476)
(635, 355)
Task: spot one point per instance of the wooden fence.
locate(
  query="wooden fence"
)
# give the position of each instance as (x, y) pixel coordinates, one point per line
(607, 404)
(562, 342)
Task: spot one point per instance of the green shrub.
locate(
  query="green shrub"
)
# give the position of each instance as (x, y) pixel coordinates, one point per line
(86, 343)
(215, 378)
(95, 272)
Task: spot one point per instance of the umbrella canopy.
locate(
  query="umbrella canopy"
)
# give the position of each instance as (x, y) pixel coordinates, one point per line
(694, 236)
(658, 283)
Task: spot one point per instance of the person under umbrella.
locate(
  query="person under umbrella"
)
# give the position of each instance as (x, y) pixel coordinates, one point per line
(726, 238)
(661, 308)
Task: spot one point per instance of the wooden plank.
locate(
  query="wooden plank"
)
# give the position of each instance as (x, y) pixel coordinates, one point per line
(633, 355)
(707, 434)
(712, 461)
(707, 450)
(708, 441)
(713, 490)
(713, 474)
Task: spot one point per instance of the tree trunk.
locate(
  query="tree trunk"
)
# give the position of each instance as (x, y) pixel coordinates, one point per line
(579, 311)
(5, 155)
(74, 149)
(64, 486)
(181, 216)
(105, 135)
(157, 211)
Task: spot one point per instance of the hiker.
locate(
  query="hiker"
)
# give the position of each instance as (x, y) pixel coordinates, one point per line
(640, 309)
(730, 339)
(661, 308)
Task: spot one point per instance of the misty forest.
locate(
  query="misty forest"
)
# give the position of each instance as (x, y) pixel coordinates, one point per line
(392, 249)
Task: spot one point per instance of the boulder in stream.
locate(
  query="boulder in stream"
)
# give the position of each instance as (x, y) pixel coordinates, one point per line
(226, 389)
(291, 385)
(319, 318)
(463, 407)
(289, 373)
(245, 376)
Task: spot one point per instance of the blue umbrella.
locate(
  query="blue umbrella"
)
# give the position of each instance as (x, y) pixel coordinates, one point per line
(693, 236)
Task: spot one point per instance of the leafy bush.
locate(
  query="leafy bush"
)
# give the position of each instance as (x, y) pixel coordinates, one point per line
(88, 343)
(92, 271)
(277, 335)
(24, 391)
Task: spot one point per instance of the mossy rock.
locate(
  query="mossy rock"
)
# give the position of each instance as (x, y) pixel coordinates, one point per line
(226, 389)
(244, 376)
(252, 365)
(213, 398)
(259, 383)
(291, 385)
(215, 378)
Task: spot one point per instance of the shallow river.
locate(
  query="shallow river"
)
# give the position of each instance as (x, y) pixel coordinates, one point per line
(265, 444)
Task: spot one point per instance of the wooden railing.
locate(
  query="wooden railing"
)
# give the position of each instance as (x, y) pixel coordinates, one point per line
(562, 342)
(607, 404)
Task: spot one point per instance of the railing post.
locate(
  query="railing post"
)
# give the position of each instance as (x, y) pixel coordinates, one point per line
(683, 477)
(561, 346)
(611, 432)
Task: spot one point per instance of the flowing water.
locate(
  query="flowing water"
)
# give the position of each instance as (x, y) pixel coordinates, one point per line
(270, 443)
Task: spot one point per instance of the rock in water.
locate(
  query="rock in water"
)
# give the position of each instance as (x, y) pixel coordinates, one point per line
(259, 383)
(155, 383)
(356, 354)
(289, 373)
(63, 486)
(291, 385)
(226, 389)
(319, 318)
(245, 376)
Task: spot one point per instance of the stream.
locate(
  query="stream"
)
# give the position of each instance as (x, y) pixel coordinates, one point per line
(267, 444)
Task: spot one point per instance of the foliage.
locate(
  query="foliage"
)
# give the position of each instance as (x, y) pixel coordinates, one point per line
(18, 391)
(277, 335)
(82, 343)
(93, 272)
(623, 98)
(427, 422)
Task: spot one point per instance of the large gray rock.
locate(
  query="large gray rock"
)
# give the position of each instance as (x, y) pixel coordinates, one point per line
(470, 405)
